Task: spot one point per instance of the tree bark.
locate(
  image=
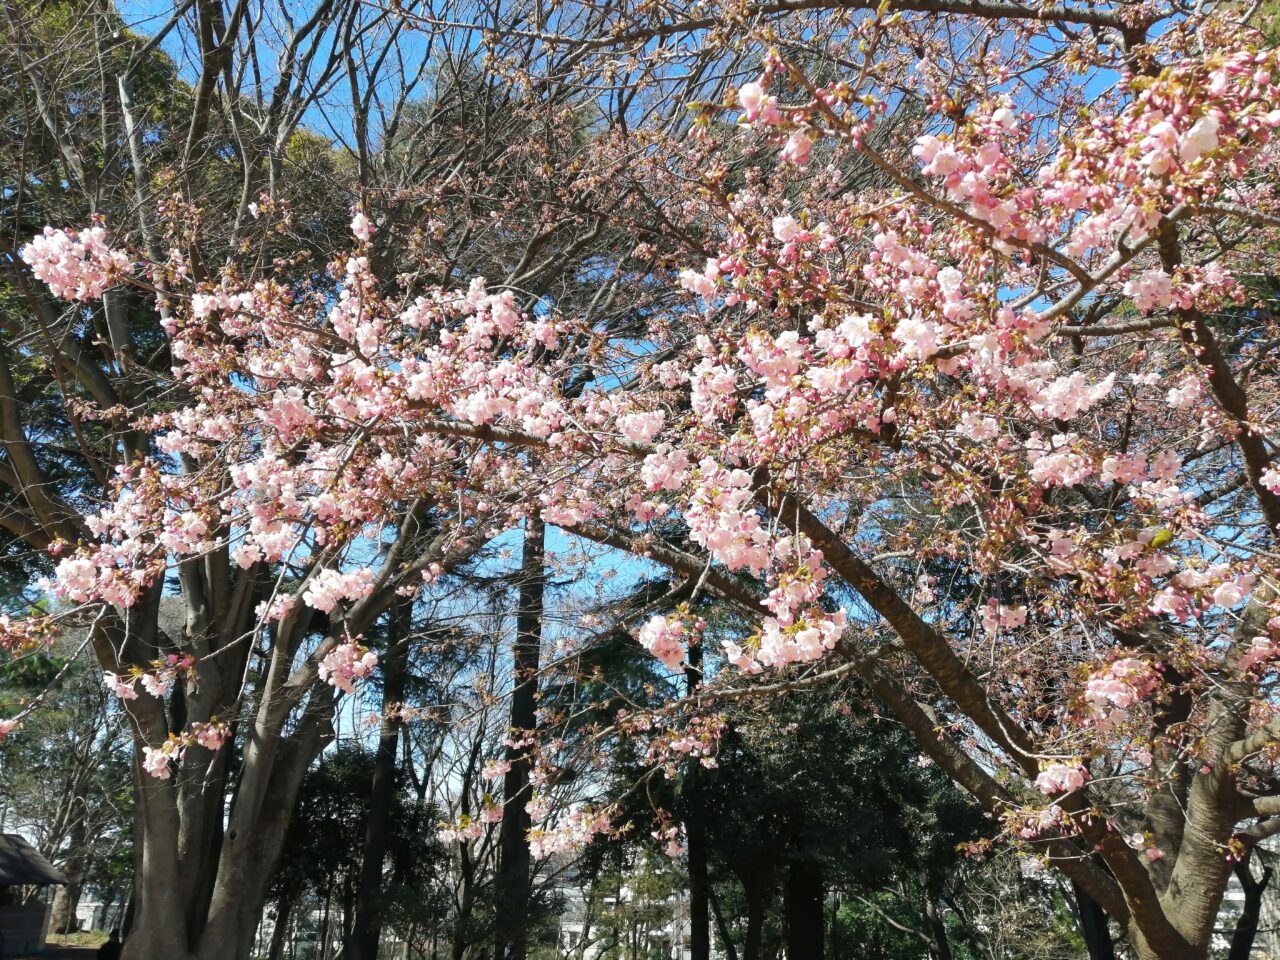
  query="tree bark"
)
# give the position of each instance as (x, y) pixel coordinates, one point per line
(367, 924)
(754, 887)
(512, 886)
(937, 927)
(1093, 926)
(699, 890)
(62, 913)
(280, 933)
(730, 951)
(695, 838)
(802, 905)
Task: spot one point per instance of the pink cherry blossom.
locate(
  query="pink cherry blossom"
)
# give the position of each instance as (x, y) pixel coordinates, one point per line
(1150, 290)
(155, 685)
(665, 638)
(362, 227)
(575, 829)
(796, 149)
(756, 106)
(1061, 778)
(1200, 139)
(76, 265)
(123, 687)
(157, 761)
(211, 736)
(493, 769)
(328, 587)
(346, 663)
(1116, 687)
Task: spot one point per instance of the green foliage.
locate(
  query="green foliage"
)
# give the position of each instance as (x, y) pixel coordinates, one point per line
(817, 778)
(822, 780)
(881, 926)
(629, 904)
(324, 843)
(65, 775)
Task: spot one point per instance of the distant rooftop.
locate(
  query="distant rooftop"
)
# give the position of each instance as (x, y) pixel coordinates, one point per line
(20, 864)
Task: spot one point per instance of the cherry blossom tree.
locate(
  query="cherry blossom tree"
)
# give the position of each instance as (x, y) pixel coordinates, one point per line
(975, 406)
(213, 157)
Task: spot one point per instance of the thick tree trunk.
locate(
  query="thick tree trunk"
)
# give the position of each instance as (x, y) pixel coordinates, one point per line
(937, 927)
(802, 904)
(246, 856)
(459, 942)
(62, 913)
(158, 927)
(367, 924)
(324, 923)
(512, 885)
(1247, 925)
(1093, 926)
(699, 889)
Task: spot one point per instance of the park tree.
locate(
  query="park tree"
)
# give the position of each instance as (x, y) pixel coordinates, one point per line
(320, 875)
(1026, 357)
(822, 798)
(65, 781)
(220, 144)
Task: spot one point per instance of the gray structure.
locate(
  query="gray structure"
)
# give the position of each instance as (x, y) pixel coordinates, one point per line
(24, 920)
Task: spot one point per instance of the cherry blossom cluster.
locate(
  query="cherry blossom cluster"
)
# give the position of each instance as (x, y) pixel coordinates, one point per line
(1117, 686)
(944, 368)
(157, 681)
(490, 810)
(996, 615)
(666, 638)
(75, 264)
(346, 663)
(1031, 824)
(466, 829)
(495, 769)
(1262, 650)
(24, 635)
(1061, 778)
(1142, 843)
(327, 588)
(670, 834)
(574, 829)
(158, 761)
(698, 740)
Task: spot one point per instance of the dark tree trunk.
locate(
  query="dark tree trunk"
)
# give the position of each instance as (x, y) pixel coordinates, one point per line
(754, 886)
(1093, 926)
(1247, 926)
(730, 951)
(699, 893)
(367, 923)
(280, 934)
(461, 921)
(512, 885)
(937, 926)
(802, 905)
(695, 839)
